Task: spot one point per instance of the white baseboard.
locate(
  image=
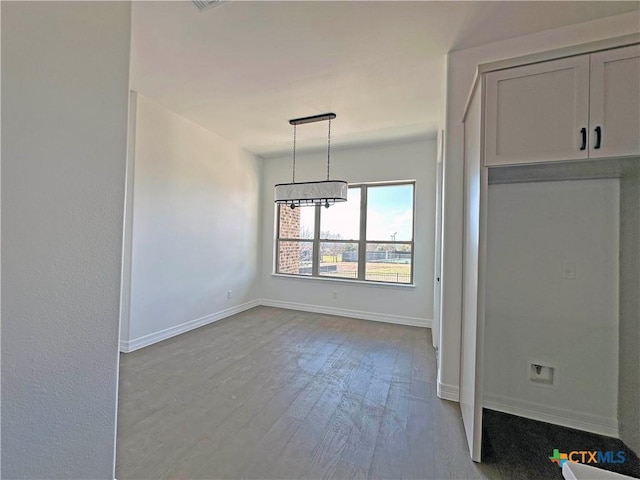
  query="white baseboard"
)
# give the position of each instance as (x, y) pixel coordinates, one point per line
(558, 416)
(448, 392)
(542, 413)
(343, 312)
(146, 340)
(150, 339)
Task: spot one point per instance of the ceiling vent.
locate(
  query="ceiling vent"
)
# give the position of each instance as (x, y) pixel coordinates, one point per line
(204, 5)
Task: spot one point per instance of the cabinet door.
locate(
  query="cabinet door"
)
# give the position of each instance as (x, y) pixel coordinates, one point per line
(473, 268)
(537, 113)
(615, 103)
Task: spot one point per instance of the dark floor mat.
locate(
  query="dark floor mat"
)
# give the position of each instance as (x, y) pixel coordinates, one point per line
(521, 447)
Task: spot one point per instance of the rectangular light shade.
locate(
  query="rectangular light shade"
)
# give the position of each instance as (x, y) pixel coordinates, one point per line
(311, 193)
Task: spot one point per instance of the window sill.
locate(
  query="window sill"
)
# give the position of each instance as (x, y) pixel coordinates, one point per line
(345, 281)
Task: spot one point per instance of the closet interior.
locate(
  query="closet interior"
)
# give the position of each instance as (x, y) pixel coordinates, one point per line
(551, 260)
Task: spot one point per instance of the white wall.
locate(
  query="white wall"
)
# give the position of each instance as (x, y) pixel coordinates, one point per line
(195, 226)
(407, 160)
(65, 71)
(534, 315)
(629, 379)
(461, 66)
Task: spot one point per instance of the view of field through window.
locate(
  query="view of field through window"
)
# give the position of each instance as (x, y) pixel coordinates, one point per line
(384, 212)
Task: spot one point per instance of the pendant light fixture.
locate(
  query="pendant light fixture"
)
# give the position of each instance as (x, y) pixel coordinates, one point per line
(303, 194)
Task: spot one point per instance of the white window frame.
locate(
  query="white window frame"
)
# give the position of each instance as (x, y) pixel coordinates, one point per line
(362, 242)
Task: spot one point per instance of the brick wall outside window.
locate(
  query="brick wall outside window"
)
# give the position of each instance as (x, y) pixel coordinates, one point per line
(289, 252)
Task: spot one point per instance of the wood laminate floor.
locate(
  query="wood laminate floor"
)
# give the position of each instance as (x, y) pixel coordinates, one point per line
(282, 394)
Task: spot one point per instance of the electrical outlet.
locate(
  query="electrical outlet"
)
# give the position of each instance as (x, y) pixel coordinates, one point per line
(541, 373)
(229, 295)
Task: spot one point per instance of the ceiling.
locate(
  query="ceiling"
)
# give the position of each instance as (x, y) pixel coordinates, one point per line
(243, 69)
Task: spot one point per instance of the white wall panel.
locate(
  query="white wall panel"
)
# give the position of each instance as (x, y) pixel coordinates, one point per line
(195, 224)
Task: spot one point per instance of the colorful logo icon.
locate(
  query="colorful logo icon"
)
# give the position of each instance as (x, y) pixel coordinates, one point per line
(559, 458)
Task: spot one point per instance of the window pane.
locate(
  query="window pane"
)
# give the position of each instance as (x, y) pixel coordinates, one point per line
(388, 262)
(295, 257)
(342, 220)
(390, 213)
(297, 222)
(339, 259)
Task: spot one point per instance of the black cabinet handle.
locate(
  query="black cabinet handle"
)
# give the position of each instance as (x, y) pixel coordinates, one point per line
(598, 137)
(583, 131)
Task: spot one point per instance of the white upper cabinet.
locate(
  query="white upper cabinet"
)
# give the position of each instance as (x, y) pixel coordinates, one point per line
(615, 103)
(538, 112)
(575, 108)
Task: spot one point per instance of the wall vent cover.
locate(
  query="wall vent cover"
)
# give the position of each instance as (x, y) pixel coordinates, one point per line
(204, 5)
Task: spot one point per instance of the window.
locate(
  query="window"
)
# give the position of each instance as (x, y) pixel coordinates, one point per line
(369, 237)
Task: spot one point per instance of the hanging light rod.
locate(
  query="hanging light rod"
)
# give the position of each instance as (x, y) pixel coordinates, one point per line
(314, 118)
